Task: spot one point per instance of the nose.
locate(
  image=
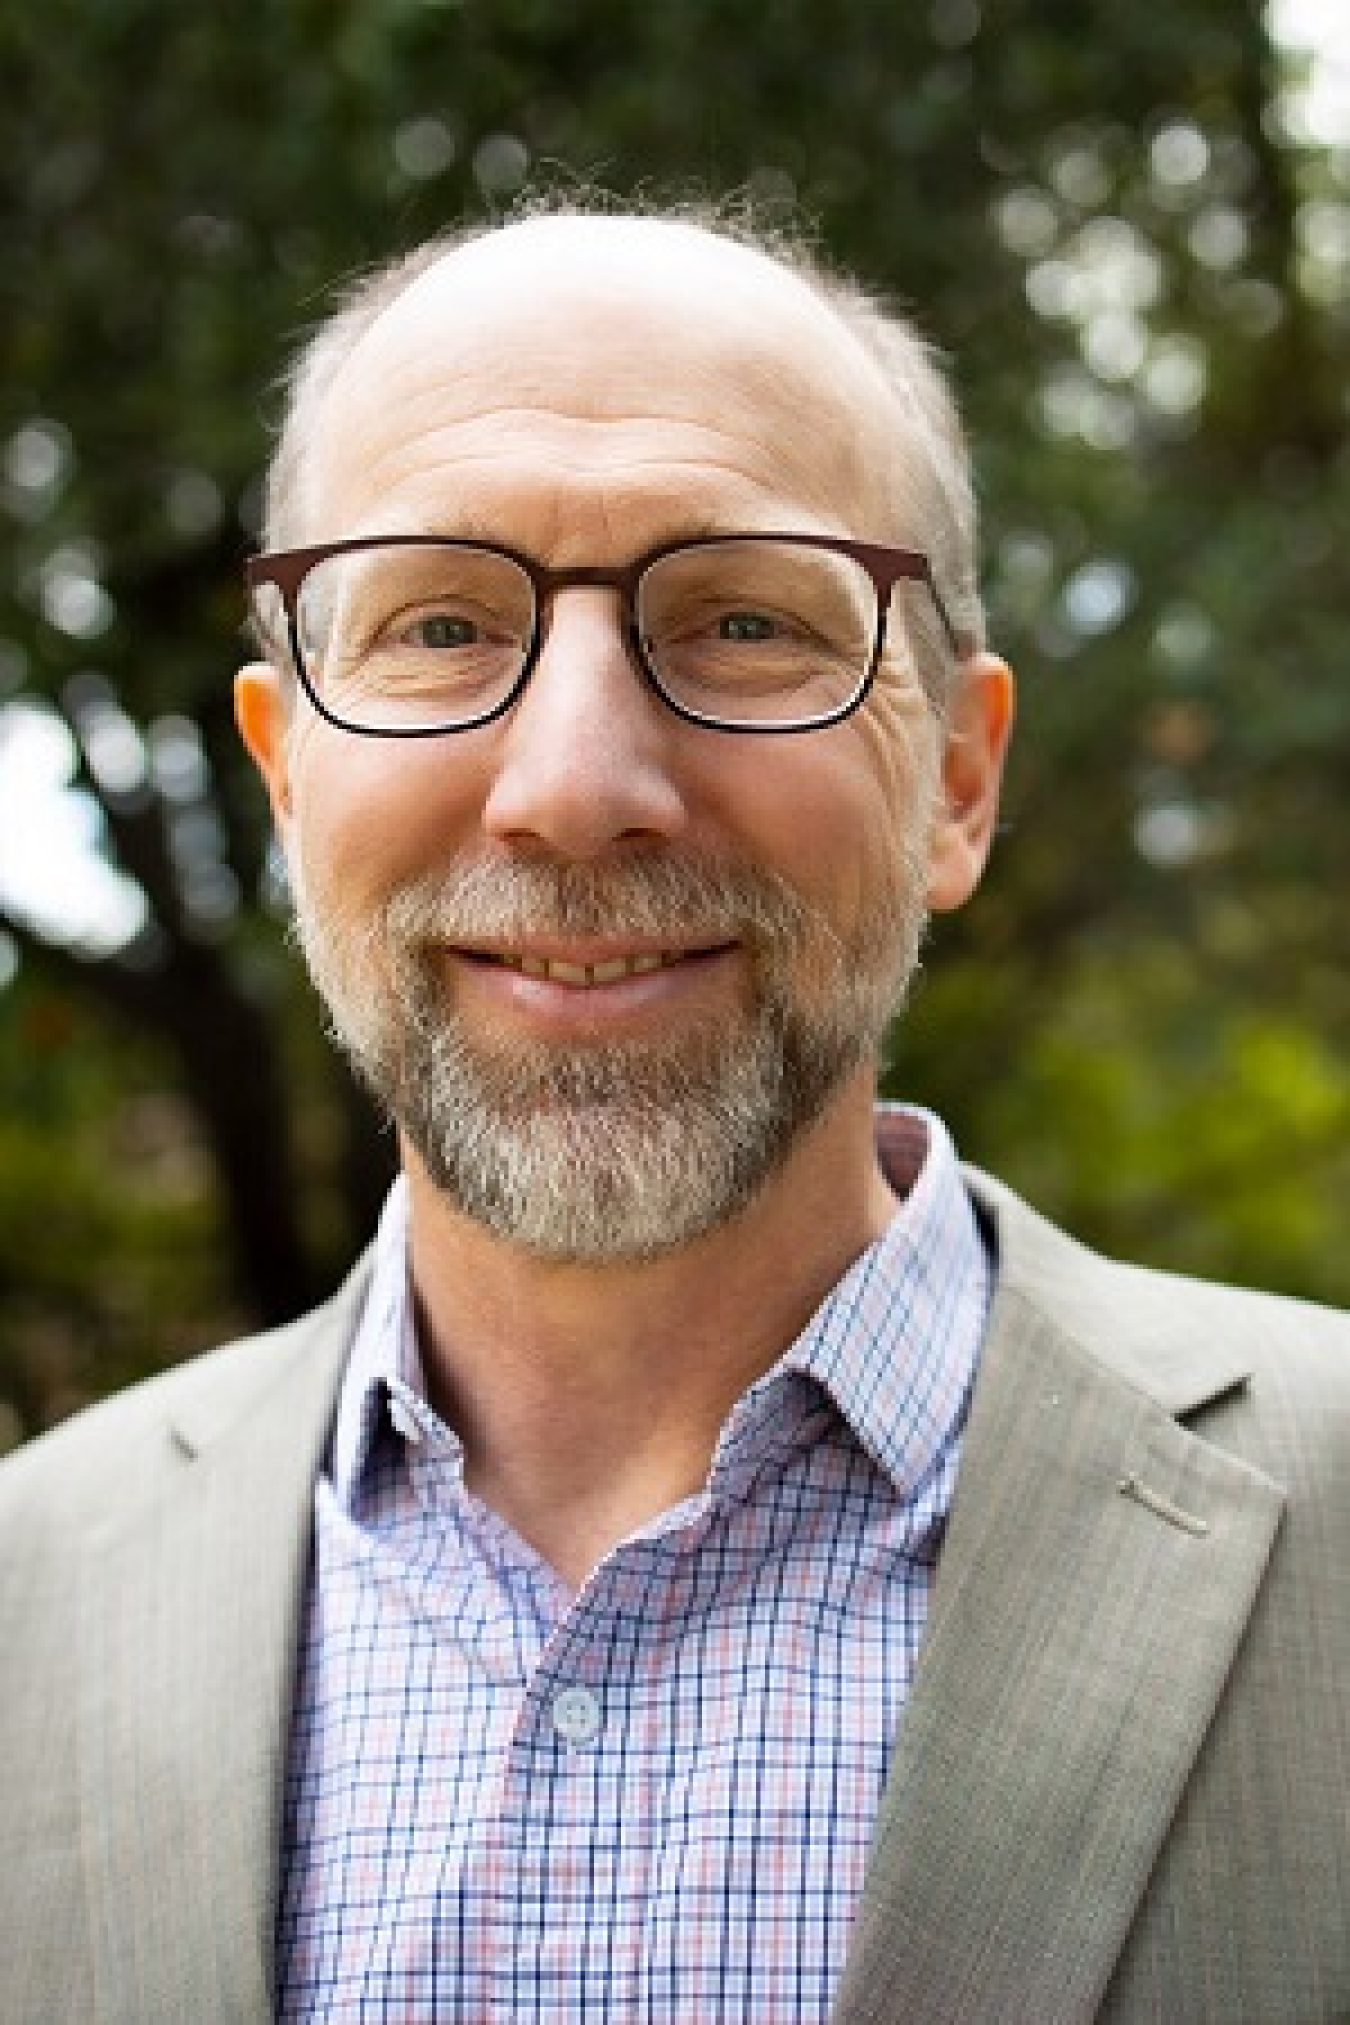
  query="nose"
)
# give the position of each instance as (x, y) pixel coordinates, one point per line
(585, 756)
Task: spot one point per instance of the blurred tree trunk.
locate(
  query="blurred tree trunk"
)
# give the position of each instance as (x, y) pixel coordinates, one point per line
(226, 1051)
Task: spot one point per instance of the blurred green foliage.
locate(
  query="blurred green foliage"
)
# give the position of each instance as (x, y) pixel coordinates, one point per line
(1130, 232)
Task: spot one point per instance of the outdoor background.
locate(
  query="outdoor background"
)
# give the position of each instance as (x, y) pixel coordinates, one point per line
(1128, 226)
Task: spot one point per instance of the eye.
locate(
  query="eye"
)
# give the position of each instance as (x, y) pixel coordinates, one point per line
(746, 627)
(443, 629)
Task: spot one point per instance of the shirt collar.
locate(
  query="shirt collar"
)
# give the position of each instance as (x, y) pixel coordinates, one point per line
(896, 1341)
(384, 1366)
(893, 1345)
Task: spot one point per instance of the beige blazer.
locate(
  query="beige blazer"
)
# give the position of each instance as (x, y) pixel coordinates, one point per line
(1120, 1790)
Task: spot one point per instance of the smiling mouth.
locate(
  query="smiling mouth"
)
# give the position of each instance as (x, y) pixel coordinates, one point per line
(605, 970)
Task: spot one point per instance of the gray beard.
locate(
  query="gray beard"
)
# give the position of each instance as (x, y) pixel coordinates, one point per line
(606, 1152)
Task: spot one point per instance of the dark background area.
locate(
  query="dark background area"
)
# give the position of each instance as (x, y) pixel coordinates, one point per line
(1130, 232)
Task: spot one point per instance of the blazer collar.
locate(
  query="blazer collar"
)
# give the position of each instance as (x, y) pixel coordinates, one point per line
(1100, 1565)
(1125, 1317)
(189, 1631)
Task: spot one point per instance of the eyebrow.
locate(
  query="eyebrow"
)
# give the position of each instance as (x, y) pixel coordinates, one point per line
(472, 527)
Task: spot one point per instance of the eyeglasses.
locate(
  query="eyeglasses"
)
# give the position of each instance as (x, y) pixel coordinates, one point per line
(407, 636)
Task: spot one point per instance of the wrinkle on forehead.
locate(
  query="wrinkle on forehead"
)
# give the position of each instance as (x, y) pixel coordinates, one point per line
(458, 477)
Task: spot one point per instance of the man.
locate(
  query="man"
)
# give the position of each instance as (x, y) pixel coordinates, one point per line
(714, 1560)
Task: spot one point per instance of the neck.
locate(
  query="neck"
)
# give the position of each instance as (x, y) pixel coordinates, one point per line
(589, 1398)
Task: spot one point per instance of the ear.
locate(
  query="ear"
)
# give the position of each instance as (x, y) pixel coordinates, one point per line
(978, 729)
(262, 711)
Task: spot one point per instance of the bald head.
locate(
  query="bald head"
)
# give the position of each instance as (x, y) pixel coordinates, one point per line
(516, 295)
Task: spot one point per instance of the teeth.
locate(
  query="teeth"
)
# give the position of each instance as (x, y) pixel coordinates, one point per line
(609, 971)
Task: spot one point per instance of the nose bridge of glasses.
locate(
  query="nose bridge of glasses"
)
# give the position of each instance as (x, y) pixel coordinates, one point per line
(620, 582)
(619, 579)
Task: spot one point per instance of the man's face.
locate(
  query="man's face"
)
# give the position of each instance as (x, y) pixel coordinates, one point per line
(607, 968)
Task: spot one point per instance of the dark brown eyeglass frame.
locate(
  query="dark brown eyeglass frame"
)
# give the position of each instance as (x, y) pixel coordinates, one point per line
(286, 570)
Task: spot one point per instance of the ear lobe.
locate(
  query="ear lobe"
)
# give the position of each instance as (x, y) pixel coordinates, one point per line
(262, 711)
(978, 729)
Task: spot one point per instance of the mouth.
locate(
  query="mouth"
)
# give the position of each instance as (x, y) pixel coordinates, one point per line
(588, 973)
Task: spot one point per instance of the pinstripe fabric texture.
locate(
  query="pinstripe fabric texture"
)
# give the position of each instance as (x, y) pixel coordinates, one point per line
(652, 1800)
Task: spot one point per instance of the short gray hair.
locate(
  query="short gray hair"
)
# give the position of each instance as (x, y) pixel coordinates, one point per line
(938, 470)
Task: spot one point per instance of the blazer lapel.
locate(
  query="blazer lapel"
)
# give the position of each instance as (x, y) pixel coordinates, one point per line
(1099, 1568)
(189, 1624)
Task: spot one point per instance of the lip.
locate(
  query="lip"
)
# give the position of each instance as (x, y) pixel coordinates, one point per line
(588, 966)
(570, 997)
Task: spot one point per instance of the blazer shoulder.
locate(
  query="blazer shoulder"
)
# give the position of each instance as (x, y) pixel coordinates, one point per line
(1184, 1341)
(103, 1456)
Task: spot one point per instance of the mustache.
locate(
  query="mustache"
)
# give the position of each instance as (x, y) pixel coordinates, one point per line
(654, 895)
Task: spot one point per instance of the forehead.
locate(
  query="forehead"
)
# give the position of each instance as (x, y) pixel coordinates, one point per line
(600, 350)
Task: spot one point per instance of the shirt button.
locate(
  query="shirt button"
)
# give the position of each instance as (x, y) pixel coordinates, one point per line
(576, 1715)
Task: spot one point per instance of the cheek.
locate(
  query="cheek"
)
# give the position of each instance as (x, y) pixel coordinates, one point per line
(902, 744)
(369, 815)
(845, 813)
